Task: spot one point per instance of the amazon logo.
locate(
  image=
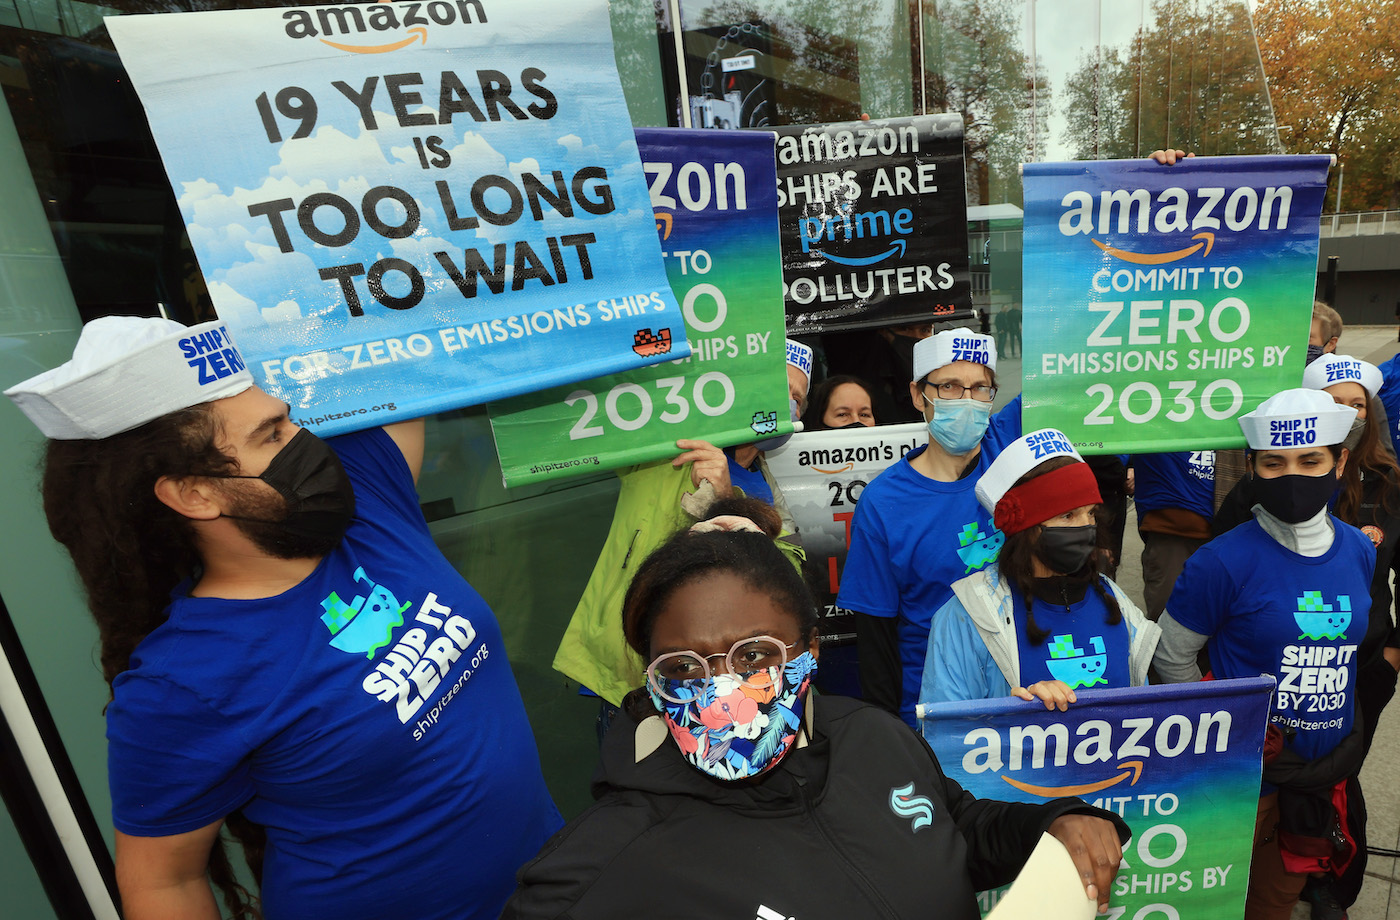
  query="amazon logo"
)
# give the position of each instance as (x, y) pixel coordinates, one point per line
(1129, 744)
(846, 225)
(1203, 212)
(1131, 768)
(379, 27)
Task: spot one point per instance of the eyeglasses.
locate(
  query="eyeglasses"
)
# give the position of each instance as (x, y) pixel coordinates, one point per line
(746, 659)
(953, 390)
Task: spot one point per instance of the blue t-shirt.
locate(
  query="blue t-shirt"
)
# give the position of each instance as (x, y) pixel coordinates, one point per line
(1390, 397)
(1268, 610)
(1082, 649)
(1183, 479)
(367, 717)
(911, 538)
(751, 482)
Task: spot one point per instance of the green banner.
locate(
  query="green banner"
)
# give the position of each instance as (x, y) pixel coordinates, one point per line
(714, 197)
(1163, 302)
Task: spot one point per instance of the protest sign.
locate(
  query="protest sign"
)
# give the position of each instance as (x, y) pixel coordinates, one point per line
(874, 223)
(1164, 302)
(1180, 763)
(716, 215)
(822, 474)
(407, 207)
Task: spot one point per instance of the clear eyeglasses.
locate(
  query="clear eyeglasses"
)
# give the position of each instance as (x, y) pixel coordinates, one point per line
(746, 659)
(951, 390)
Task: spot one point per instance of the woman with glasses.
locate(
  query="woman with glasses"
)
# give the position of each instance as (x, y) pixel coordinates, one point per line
(1041, 622)
(729, 790)
(918, 527)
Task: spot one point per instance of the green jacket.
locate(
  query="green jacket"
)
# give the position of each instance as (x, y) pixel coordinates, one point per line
(593, 651)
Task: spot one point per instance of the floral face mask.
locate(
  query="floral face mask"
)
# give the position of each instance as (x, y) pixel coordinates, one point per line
(733, 728)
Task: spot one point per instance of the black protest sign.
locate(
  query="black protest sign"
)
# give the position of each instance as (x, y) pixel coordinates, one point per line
(873, 222)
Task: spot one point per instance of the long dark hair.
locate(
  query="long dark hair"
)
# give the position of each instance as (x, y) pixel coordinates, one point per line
(687, 557)
(1371, 457)
(131, 550)
(816, 407)
(1016, 565)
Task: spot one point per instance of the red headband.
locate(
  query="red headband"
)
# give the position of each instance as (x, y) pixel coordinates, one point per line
(1043, 497)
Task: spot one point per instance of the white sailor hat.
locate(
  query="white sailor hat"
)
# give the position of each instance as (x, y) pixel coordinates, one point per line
(1329, 370)
(951, 345)
(1296, 418)
(126, 371)
(1015, 509)
(800, 357)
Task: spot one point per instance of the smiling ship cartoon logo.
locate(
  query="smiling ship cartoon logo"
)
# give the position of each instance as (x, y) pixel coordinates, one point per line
(977, 549)
(1318, 620)
(1071, 665)
(367, 623)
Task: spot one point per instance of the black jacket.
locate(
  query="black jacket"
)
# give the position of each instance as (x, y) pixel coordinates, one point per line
(818, 837)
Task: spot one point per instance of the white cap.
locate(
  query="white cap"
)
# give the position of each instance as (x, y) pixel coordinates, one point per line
(1296, 418)
(800, 357)
(951, 345)
(1329, 370)
(128, 370)
(1019, 458)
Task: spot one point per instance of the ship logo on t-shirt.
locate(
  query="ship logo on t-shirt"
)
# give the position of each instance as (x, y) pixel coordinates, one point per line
(1319, 620)
(1069, 663)
(976, 548)
(367, 623)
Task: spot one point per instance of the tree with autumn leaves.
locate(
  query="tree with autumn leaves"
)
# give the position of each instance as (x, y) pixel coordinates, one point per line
(1334, 78)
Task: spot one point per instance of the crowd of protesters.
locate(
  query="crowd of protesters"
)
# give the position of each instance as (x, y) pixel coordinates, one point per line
(245, 574)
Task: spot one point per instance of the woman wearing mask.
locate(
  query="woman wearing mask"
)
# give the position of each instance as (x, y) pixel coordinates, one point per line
(1286, 594)
(1369, 499)
(727, 788)
(1041, 622)
(842, 401)
(918, 527)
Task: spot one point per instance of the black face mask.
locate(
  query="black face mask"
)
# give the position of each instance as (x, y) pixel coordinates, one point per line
(1314, 352)
(1065, 550)
(851, 425)
(317, 495)
(1295, 498)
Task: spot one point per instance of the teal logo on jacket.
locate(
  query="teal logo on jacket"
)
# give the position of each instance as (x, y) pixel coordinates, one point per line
(906, 804)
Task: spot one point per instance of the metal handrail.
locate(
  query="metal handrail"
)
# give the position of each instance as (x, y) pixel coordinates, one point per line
(1361, 223)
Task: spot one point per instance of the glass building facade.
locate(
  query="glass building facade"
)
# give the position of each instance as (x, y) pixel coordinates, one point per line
(89, 227)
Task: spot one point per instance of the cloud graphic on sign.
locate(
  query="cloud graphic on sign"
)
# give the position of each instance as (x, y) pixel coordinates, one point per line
(233, 306)
(246, 268)
(285, 311)
(274, 277)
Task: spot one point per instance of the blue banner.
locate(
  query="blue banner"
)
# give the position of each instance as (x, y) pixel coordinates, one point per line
(1180, 763)
(401, 208)
(1163, 302)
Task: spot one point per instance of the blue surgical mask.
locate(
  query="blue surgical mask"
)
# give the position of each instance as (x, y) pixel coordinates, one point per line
(958, 424)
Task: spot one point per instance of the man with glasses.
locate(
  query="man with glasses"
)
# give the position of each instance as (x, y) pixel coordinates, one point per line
(918, 527)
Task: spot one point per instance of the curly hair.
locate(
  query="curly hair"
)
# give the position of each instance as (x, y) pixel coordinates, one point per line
(686, 558)
(131, 550)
